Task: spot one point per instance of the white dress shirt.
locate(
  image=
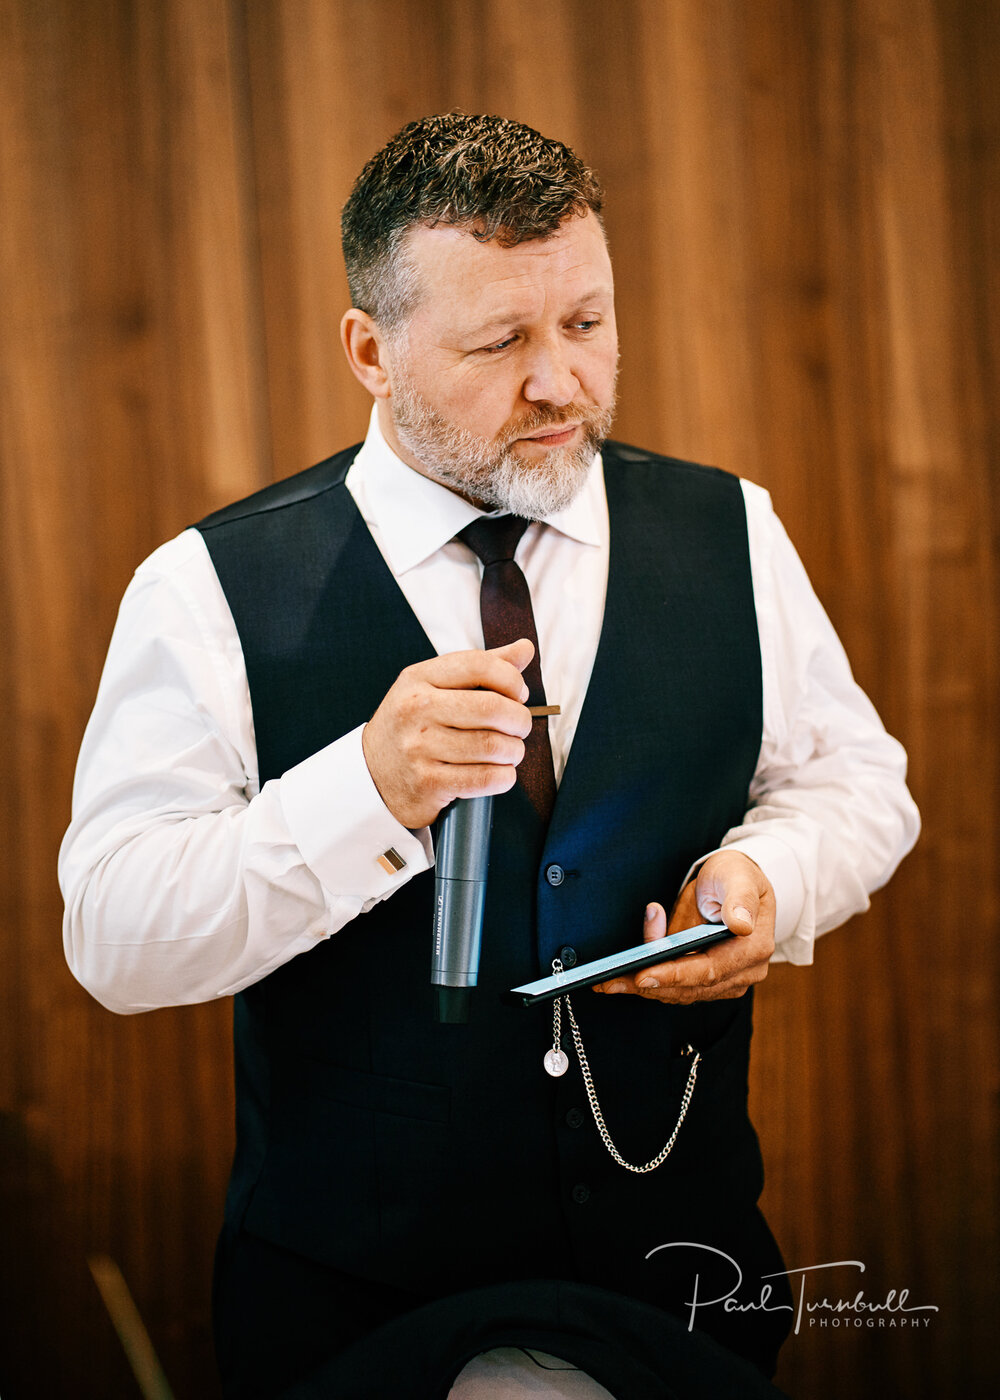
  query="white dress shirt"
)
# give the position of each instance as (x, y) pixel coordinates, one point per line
(185, 881)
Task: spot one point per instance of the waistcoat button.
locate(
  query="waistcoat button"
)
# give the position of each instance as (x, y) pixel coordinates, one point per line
(574, 1118)
(567, 956)
(555, 875)
(581, 1193)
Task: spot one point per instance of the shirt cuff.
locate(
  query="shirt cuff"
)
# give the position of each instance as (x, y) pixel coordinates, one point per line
(344, 831)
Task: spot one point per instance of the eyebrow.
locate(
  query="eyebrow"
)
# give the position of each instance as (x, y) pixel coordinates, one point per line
(501, 321)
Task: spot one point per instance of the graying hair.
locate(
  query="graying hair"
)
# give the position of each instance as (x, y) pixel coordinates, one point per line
(496, 178)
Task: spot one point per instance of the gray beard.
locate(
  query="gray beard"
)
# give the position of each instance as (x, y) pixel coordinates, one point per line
(488, 470)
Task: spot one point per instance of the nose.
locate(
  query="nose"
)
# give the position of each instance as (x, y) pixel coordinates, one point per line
(551, 377)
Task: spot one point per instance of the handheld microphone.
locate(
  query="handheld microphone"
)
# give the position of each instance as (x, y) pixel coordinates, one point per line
(463, 856)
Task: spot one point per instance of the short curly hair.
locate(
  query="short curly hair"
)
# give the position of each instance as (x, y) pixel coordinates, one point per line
(496, 178)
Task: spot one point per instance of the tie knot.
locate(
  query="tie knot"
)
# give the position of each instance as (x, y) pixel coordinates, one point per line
(494, 538)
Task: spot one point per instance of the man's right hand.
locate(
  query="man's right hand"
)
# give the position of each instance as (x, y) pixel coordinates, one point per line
(451, 727)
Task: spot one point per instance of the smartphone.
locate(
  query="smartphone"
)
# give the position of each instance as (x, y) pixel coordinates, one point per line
(619, 964)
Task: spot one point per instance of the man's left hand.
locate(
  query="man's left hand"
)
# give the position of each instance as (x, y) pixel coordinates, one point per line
(729, 888)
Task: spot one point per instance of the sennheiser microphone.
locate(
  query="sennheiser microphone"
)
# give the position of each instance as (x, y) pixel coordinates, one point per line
(463, 856)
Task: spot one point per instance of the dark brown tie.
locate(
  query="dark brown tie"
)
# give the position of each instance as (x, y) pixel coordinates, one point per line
(505, 605)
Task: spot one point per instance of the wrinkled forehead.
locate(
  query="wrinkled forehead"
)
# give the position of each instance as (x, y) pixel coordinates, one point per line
(461, 277)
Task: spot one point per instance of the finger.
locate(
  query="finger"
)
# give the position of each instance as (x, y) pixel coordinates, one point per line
(518, 653)
(691, 996)
(685, 913)
(713, 966)
(667, 982)
(474, 780)
(476, 709)
(474, 746)
(691, 970)
(731, 887)
(740, 906)
(726, 964)
(719, 988)
(655, 923)
(498, 670)
(654, 926)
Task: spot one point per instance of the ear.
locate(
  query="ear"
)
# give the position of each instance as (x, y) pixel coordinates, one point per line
(365, 348)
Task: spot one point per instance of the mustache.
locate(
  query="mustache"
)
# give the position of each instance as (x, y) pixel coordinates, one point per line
(551, 417)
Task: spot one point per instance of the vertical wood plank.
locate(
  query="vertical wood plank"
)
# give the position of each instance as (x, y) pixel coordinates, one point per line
(128, 407)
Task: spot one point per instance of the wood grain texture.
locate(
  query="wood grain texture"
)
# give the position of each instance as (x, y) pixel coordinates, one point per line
(803, 213)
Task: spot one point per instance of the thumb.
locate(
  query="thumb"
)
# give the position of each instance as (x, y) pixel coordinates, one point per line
(518, 653)
(655, 923)
(739, 908)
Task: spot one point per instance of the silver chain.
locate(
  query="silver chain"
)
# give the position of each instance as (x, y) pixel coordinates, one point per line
(588, 1080)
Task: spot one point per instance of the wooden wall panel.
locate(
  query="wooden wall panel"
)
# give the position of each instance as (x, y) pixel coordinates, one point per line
(803, 206)
(128, 408)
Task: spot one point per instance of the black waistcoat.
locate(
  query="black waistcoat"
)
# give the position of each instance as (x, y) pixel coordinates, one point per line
(442, 1157)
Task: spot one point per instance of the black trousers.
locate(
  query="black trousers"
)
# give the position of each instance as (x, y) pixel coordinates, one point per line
(289, 1326)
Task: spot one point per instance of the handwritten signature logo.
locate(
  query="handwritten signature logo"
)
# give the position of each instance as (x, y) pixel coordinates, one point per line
(893, 1310)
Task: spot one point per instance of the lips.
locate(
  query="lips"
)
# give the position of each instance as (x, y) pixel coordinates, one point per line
(555, 436)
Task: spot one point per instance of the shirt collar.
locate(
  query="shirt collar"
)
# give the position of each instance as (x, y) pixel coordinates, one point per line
(413, 517)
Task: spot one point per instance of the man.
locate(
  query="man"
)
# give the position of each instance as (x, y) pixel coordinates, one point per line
(298, 687)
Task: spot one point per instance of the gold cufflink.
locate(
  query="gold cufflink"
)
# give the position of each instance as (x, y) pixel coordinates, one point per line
(391, 861)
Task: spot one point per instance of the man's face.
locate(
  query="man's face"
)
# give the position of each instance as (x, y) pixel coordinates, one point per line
(502, 383)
